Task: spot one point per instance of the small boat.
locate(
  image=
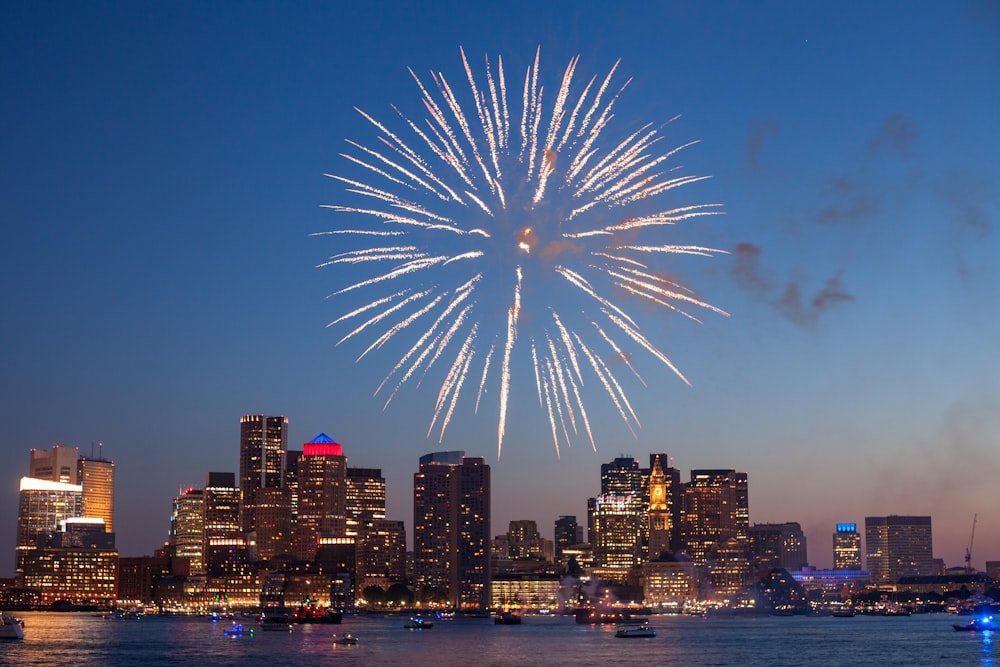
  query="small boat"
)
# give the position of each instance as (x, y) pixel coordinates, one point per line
(843, 613)
(345, 640)
(238, 630)
(507, 618)
(418, 623)
(979, 624)
(10, 627)
(635, 630)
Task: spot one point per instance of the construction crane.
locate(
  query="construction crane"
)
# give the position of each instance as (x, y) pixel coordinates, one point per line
(968, 549)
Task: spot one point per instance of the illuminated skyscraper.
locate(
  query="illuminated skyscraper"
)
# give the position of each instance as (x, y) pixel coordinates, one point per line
(365, 499)
(898, 546)
(187, 529)
(618, 518)
(618, 527)
(322, 492)
(847, 547)
(97, 477)
(263, 442)
(715, 510)
(451, 528)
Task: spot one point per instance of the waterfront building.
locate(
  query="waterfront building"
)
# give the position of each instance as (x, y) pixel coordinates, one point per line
(77, 563)
(186, 538)
(567, 533)
(292, 457)
(451, 528)
(669, 584)
(224, 548)
(847, 547)
(263, 442)
(524, 591)
(322, 493)
(97, 478)
(138, 577)
(382, 554)
(898, 546)
(833, 584)
(778, 545)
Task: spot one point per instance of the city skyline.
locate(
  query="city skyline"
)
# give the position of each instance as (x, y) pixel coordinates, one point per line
(715, 507)
(165, 170)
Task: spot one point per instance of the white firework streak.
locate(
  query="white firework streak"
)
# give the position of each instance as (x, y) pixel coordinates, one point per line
(453, 192)
(534, 363)
(548, 408)
(482, 381)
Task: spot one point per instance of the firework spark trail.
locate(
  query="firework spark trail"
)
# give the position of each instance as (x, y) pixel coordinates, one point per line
(462, 293)
(556, 370)
(459, 190)
(512, 315)
(618, 351)
(384, 314)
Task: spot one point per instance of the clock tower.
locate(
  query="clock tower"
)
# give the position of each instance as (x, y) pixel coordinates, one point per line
(659, 512)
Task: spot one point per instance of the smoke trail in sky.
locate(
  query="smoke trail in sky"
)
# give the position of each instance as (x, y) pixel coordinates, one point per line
(504, 227)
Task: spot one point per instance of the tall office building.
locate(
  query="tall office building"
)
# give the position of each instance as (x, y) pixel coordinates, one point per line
(224, 547)
(618, 518)
(898, 546)
(322, 496)
(847, 547)
(187, 529)
(617, 539)
(451, 528)
(775, 545)
(97, 477)
(263, 442)
(365, 497)
(716, 510)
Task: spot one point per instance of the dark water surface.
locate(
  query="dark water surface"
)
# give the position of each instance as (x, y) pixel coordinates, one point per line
(82, 639)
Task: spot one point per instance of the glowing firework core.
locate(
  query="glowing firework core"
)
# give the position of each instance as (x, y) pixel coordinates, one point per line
(584, 215)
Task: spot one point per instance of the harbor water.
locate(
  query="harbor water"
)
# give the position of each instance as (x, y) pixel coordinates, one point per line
(87, 640)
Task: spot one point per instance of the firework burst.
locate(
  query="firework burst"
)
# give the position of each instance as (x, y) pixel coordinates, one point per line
(507, 226)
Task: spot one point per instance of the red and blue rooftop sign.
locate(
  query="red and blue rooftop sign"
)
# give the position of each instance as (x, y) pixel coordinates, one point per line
(322, 445)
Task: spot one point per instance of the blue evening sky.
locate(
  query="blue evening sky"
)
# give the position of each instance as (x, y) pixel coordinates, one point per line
(162, 171)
